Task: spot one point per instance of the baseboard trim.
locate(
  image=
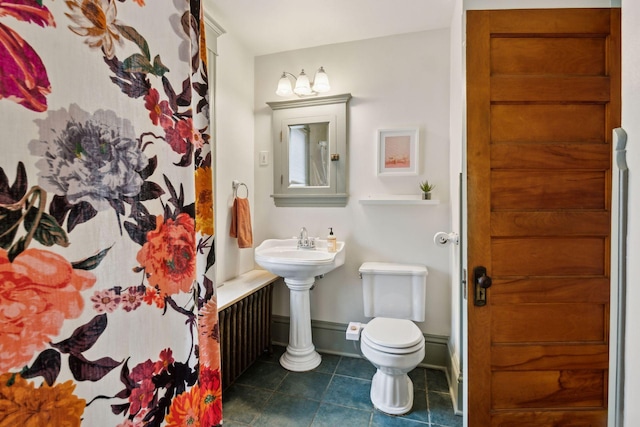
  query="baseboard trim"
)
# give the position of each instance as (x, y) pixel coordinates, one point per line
(455, 382)
(329, 337)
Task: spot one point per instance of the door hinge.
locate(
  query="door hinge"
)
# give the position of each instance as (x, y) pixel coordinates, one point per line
(464, 283)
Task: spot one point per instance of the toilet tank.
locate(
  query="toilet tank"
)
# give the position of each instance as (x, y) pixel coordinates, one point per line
(394, 290)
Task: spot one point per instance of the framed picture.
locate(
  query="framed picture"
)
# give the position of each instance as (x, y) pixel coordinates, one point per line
(397, 152)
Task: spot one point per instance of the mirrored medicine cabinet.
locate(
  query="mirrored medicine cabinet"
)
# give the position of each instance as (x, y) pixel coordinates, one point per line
(310, 151)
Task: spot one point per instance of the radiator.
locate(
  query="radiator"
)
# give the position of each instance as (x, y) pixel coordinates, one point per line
(245, 333)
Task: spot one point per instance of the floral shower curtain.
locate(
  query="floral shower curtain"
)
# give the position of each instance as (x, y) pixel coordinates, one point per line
(108, 312)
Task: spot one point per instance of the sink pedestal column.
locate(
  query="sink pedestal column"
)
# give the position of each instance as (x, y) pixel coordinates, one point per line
(301, 354)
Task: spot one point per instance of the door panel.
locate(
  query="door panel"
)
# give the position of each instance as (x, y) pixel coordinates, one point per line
(547, 189)
(583, 256)
(543, 94)
(509, 88)
(549, 389)
(551, 290)
(568, 223)
(549, 356)
(563, 22)
(586, 418)
(550, 323)
(578, 55)
(543, 156)
(581, 123)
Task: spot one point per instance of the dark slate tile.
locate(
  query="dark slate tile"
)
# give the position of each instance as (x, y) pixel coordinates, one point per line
(328, 364)
(263, 375)
(350, 392)
(437, 381)
(384, 420)
(419, 411)
(310, 385)
(228, 423)
(336, 393)
(441, 410)
(357, 368)
(329, 415)
(287, 411)
(418, 377)
(458, 424)
(243, 404)
(274, 356)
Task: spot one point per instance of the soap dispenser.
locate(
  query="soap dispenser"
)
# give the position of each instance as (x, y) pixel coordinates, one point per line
(331, 241)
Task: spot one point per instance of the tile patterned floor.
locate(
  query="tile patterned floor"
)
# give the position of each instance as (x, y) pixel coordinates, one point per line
(335, 394)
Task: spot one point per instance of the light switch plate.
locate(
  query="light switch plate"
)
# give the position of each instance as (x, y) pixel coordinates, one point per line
(263, 158)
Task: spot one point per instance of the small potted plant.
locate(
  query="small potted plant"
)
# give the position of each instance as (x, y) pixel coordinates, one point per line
(426, 189)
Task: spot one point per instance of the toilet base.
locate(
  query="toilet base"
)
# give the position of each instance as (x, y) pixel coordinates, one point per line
(392, 392)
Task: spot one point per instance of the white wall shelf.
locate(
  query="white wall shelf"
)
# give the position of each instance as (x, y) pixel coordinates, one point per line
(397, 199)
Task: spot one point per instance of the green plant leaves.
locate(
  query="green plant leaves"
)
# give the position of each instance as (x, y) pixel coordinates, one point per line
(47, 231)
(141, 62)
(17, 248)
(91, 262)
(158, 67)
(137, 63)
(132, 34)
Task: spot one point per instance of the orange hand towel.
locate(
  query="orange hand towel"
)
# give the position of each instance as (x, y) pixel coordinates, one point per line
(241, 223)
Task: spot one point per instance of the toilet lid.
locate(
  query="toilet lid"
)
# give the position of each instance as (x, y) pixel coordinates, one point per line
(385, 332)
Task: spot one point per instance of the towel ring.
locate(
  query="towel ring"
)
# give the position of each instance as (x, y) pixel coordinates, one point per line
(237, 184)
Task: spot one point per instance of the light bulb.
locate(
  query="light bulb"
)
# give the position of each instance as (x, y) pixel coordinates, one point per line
(303, 87)
(284, 86)
(321, 81)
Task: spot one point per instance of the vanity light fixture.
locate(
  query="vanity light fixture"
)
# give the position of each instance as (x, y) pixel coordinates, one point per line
(303, 86)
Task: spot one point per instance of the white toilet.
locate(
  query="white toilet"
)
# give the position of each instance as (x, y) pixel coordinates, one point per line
(394, 294)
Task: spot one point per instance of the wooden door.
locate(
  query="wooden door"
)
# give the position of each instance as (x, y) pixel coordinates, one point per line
(543, 96)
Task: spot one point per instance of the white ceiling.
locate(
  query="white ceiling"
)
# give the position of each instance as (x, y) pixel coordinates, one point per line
(270, 26)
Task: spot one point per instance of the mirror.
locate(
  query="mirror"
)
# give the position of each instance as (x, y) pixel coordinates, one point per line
(309, 155)
(310, 151)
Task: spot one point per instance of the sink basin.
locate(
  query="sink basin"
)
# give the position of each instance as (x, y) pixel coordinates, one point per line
(283, 258)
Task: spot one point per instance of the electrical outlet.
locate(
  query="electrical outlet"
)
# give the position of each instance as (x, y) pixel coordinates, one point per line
(263, 158)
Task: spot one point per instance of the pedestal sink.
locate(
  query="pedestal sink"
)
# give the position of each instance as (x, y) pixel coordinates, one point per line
(299, 268)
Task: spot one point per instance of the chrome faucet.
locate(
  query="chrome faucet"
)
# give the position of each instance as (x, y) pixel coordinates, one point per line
(304, 241)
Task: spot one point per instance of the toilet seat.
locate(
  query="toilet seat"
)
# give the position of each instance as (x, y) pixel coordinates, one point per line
(395, 336)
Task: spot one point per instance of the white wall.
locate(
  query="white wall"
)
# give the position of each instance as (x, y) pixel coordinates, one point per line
(395, 82)
(456, 166)
(630, 122)
(234, 149)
